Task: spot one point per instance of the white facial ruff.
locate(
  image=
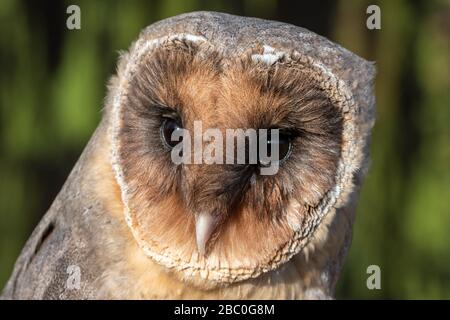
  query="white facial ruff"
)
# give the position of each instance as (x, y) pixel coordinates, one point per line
(351, 153)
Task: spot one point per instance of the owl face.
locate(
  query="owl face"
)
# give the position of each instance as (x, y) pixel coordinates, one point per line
(224, 223)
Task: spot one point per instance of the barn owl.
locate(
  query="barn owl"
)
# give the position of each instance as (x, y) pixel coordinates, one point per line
(131, 224)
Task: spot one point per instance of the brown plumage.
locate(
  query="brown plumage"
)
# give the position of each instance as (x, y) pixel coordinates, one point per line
(128, 216)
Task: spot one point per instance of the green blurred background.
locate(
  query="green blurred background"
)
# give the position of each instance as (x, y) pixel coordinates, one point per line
(52, 85)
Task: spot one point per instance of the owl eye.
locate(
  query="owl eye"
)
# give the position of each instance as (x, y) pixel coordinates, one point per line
(284, 142)
(168, 127)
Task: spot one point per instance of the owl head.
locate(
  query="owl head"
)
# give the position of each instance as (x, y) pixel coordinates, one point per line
(227, 222)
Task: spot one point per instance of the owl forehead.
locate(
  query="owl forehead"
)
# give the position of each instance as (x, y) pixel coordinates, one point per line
(257, 88)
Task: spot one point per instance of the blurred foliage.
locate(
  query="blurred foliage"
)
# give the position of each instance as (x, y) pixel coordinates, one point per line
(52, 84)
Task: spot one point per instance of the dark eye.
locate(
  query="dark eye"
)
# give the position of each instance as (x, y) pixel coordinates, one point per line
(285, 146)
(168, 127)
(284, 142)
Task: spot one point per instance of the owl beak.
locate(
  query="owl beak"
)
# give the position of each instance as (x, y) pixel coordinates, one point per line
(205, 223)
